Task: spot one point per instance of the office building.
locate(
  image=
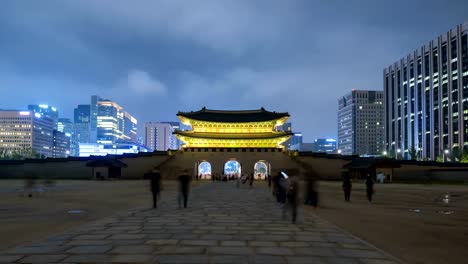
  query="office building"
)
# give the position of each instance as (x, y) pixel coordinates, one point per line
(426, 98)
(61, 144)
(159, 136)
(295, 140)
(97, 149)
(93, 128)
(22, 131)
(45, 111)
(361, 123)
(66, 126)
(82, 114)
(302, 147)
(130, 127)
(324, 145)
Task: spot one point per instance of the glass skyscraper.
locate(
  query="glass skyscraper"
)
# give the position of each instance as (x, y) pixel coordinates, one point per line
(426, 98)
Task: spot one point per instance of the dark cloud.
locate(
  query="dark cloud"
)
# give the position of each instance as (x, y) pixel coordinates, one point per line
(158, 57)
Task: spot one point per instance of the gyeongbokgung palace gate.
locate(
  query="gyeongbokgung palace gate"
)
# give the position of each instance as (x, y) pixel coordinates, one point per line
(233, 143)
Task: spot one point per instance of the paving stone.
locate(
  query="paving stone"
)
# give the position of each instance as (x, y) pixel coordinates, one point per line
(233, 243)
(134, 258)
(9, 258)
(42, 258)
(89, 249)
(88, 242)
(180, 250)
(88, 258)
(294, 244)
(37, 250)
(279, 251)
(93, 237)
(314, 252)
(377, 261)
(199, 242)
(357, 253)
(340, 260)
(138, 249)
(161, 242)
(223, 259)
(176, 259)
(128, 236)
(262, 259)
(230, 250)
(304, 260)
(257, 243)
(127, 242)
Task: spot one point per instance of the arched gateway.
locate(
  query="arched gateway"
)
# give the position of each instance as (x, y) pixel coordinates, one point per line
(250, 137)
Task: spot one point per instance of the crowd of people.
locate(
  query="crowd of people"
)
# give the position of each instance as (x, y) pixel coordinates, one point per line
(285, 188)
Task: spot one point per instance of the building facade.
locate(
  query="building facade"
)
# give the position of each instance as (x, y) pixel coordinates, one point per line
(26, 131)
(159, 136)
(426, 98)
(96, 149)
(129, 129)
(46, 111)
(361, 123)
(324, 145)
(61, 144)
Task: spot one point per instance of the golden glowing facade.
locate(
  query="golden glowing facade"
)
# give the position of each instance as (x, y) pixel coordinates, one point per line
(232, 129)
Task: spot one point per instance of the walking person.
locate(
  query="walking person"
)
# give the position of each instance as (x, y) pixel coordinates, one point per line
(369, 188)
(311, 190)
(291, 199)
(155, 177)
(251, 180)
(269, 180)
(347, 185)
(184, 185)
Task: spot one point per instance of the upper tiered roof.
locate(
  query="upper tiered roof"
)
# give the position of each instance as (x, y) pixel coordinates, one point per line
(236, 116)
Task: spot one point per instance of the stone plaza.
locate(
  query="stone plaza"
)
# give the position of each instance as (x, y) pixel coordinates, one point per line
(223, 224)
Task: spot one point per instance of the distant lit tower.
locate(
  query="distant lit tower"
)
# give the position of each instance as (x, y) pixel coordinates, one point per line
(159, 136)
(324, 145)
(93, 122)
(360, 123)
(46, 111)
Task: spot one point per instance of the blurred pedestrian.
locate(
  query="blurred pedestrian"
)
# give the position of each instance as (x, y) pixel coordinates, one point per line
(251, 180)
(184, 185)
(347, 185)
(269, 180)
(369, 188)
(311, 197)
(155, 177)
(291, 201)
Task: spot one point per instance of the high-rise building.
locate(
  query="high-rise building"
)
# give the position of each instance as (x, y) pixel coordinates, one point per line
(22, 131)
(361, 123)
(426, 98)
(46, 111)
(294, 140)
(82, 114)
(159, 136)
(130, 127)
(96, 149)
(61, 145)
(93, 128)
(66, 126)
(109, 122)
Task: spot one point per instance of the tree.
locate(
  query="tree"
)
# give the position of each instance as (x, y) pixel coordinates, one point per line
(464, 156)
(440, 158)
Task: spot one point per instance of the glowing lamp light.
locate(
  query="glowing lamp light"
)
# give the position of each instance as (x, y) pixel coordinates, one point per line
(385, 153)
(54, 109)
(38, 115)
(398, 150)
(339, 151)
(43, 106)
(24, 113)
(446, 151)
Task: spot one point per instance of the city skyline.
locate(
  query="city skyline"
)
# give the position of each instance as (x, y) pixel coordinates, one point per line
(275, 55)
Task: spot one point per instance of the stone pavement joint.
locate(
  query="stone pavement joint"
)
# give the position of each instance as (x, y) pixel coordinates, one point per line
(222, 224)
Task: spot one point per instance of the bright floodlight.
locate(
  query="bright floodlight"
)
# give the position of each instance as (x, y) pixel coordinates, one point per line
(385, 153)
(446, 151)
(339, 151)
(398, 150)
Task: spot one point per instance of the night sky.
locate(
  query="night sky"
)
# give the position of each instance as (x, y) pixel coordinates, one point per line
(158, 57)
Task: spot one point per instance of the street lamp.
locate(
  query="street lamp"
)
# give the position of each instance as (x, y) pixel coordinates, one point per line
(446, 152)
(339, 151)
(398, 151)
(385, 153)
